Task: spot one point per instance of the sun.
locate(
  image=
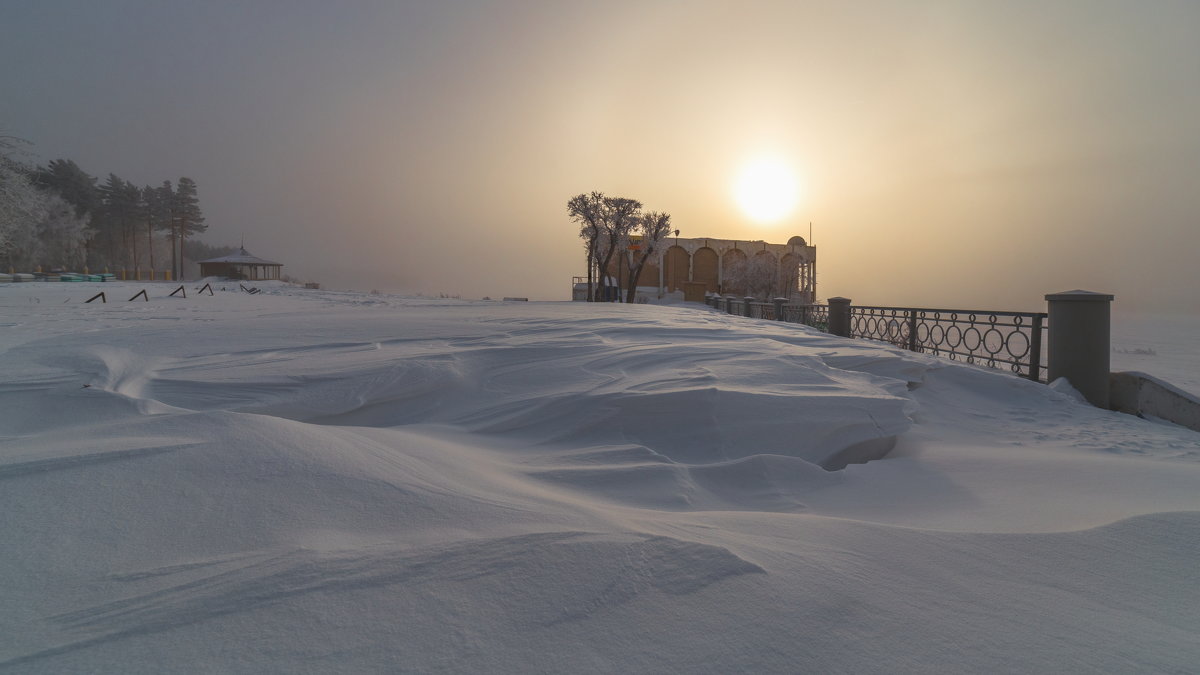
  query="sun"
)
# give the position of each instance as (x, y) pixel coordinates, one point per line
(767, 189)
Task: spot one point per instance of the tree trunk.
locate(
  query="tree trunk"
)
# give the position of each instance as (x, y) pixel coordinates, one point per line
(133, 244)
(635, 273)
(604, 269)
(591, 266)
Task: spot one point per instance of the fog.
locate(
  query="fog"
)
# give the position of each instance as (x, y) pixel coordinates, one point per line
(953, 154)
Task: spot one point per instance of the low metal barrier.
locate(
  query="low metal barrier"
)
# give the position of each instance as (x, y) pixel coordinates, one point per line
(1004, 340)
(994, 339)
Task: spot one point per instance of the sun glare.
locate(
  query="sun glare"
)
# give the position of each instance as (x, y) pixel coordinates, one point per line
(766, 189)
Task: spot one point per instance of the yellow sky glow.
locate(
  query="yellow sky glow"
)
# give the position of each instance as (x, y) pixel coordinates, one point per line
(767, 189)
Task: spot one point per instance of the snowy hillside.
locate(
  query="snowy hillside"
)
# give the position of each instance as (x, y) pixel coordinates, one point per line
(315, 481)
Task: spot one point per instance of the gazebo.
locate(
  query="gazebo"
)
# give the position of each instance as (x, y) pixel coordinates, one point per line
(240, 265)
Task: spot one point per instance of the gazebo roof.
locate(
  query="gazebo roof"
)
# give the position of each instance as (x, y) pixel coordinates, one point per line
(242, 257)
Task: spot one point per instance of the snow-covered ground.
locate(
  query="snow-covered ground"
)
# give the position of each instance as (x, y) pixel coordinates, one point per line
(315, 481)
(1164, 346)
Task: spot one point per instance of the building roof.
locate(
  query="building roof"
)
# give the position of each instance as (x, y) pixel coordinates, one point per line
(242, 257)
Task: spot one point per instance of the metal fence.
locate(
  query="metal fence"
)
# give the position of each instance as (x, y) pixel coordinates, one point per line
(1011, 340)
(1006, 340)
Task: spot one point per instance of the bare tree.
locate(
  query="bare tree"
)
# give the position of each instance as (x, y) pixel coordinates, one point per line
(587, 210)
(620, 216)
(759, 275)
(654, 228)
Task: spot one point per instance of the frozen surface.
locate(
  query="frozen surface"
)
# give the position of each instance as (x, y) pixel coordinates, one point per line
(1167, 347)
(314, 481)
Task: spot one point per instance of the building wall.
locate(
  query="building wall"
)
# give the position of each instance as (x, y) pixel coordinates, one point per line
(712, 261)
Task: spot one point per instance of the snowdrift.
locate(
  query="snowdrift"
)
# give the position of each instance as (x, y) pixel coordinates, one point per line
(314, 481)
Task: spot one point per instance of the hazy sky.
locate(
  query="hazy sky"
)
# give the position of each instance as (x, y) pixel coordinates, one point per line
(952, 153)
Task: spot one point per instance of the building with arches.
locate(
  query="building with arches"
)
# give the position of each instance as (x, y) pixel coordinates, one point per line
(726, 266)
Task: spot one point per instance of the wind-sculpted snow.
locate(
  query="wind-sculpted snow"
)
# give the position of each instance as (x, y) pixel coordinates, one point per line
(336, 482)
(620, 569)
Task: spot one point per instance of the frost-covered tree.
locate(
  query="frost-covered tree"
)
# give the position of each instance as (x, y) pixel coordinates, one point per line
(19, 202)
(586, 210)
(654, 228)
(64, 178)
(618, 218)
(113, 216)
(758, 275)
(62, 233)
(36, 227)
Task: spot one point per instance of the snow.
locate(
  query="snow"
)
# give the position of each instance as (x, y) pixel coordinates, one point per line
(1162, 346)
(321, 481)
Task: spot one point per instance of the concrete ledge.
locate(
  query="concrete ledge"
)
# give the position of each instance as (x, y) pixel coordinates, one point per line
(1141, 394)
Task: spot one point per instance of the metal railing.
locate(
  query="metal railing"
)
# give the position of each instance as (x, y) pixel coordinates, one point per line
(1011, 340)
(816, 316)
(994, 339)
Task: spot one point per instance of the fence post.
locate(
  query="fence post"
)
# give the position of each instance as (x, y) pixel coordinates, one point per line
(729, 304)
(1035, 349)
(912, 330)
(839, 316)
(779, 308)
(1080, 342)
(746, 309)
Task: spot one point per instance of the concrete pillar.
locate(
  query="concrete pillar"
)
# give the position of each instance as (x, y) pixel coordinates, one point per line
(839, 316)
(746, 307)
(779, 302)
(1080, 342)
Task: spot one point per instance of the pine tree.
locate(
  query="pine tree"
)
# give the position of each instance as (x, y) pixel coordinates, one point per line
(186, 213)
(64, 177)
(156, 213)
(120, 215)
(166, 195)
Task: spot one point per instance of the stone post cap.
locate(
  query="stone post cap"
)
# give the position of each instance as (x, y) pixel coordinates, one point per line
(783, 299)
(1079, 296)
(839, 301)
(749, 297)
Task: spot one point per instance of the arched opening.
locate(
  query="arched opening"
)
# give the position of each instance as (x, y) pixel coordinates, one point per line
(649, 275)
(733, 265)
(676, 268)
(763, 277)
(704, 268)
